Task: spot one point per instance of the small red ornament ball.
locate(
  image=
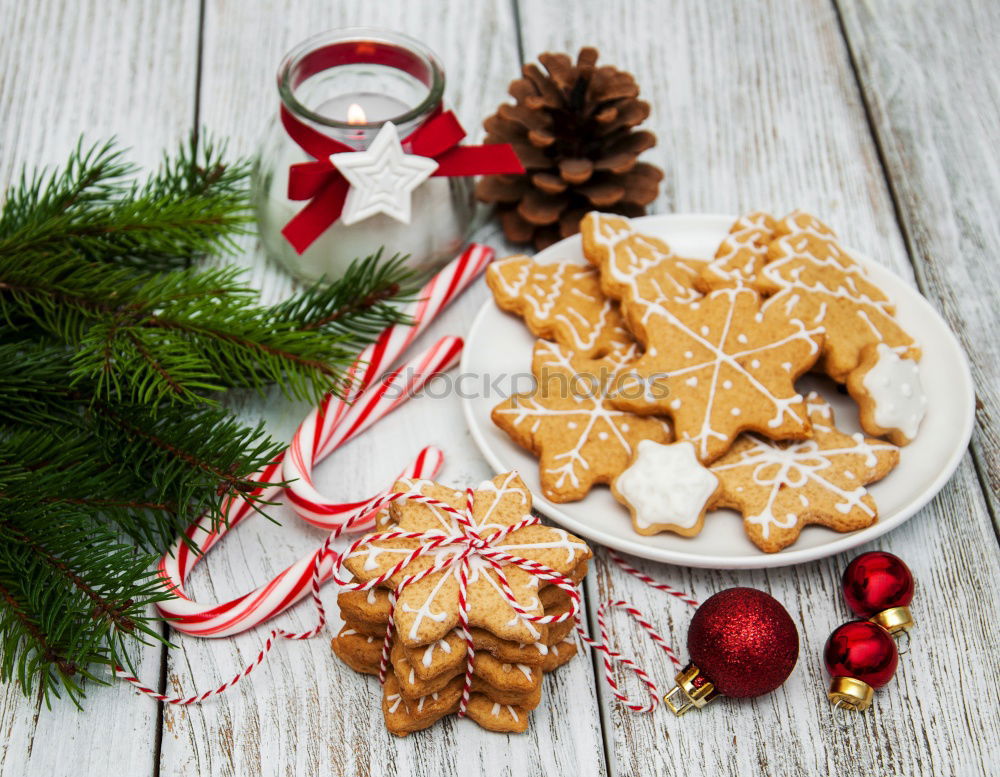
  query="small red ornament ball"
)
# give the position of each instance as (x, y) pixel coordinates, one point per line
(744, 641)
(877, 581)
(861, 650)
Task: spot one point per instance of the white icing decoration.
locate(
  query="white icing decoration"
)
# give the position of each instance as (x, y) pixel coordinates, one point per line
(778, 466)
(896, 391)
(553, 296)
(666, 484)
(747, 241)
(718, 357)
(497, 707)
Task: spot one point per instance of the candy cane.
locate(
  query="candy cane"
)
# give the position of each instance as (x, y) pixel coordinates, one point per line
(376, 402)
(286, 588)
(318, 433)
(320, 428)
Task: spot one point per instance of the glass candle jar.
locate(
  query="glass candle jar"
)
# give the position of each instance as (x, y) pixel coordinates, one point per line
(346, 84)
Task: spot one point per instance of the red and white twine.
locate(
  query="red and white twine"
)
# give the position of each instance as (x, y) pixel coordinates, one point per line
(333, 423)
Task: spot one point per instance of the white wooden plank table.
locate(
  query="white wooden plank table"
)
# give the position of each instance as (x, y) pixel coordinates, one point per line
(877, 115)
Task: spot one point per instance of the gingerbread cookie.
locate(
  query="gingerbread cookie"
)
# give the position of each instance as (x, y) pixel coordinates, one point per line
(666, 488)
(741, 255)
(812, 278)
(404, 716)
(889, 394)
(779, 487)
(428, 609)
(640, 271)
(720, 366)
(580, 438)
(508, 680)
(448, 654)
(560, 301)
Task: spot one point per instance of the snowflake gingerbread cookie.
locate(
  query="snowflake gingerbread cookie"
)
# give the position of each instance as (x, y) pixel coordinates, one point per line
(428, 609)
(559, 301)
(719, 366)
(810, 277)
(569, 423)
(780, 487)
(666, 488)
(889, 394)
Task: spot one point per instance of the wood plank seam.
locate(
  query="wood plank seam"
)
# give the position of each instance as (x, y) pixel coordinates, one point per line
(590, 590)
(196, 134)
(909, 244)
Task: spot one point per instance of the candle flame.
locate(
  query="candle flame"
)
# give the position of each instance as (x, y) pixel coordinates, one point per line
(356, 114)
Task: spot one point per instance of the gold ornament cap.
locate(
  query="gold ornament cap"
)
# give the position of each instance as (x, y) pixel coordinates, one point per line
(850, 694)
(692, 690)
(894, 620)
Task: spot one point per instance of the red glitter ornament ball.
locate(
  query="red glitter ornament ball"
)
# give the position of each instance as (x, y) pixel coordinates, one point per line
(877, 581)
(863, 651)
(743, 641)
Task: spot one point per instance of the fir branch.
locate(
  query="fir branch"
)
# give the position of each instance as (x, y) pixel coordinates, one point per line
(192, 207)
(113, 360)
(148, 474)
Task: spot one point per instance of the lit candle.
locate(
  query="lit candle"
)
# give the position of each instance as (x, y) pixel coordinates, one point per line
(346, 77)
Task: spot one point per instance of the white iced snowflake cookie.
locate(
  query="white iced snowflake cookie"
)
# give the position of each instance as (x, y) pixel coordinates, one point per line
(889, 394)
(666, 488)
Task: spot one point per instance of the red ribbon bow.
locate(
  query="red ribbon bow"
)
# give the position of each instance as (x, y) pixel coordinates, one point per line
(326, 188)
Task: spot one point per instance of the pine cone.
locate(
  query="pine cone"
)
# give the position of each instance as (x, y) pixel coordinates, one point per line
(573, 131)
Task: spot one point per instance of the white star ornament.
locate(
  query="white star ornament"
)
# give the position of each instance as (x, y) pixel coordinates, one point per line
(382, 177)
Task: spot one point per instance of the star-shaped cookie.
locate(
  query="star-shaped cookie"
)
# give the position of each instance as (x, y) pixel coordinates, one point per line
(559, 301)
(427, 610)
(779, 487)
(382, 177)
(666, 488)
(810, 277)
(580, 438)
(718, 367)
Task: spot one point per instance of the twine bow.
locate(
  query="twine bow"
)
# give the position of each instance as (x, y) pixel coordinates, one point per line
(472, 545)
(323, 185)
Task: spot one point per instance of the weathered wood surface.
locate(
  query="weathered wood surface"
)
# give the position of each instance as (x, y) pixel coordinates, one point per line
(304, 712)
(756, 105)
(930, 82)
(97, 68)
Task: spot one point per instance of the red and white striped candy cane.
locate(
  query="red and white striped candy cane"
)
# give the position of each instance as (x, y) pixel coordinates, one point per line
(272, 598)
(323, 427)
(377, 401)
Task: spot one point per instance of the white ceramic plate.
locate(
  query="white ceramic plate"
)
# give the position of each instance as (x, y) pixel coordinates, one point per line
(499, 346)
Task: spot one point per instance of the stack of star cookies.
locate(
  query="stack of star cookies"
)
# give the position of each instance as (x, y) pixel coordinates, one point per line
(673, 379)
(428, 655)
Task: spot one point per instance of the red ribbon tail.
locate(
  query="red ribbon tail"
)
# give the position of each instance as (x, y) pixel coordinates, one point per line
(479, 160)
(314, 219)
